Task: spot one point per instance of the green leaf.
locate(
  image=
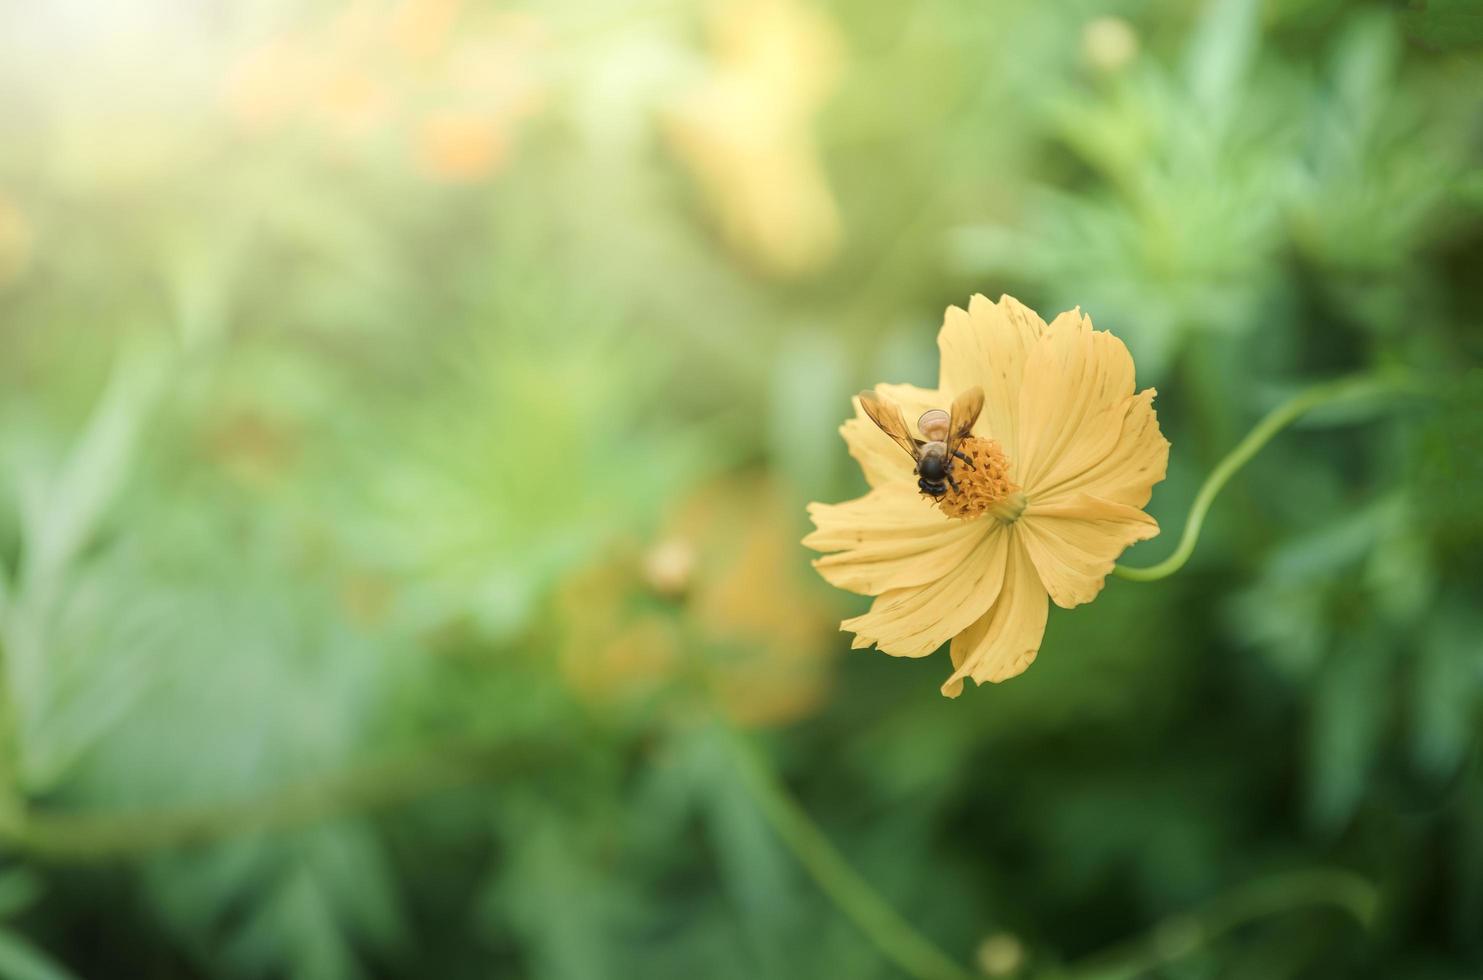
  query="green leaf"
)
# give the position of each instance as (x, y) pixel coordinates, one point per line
(757, 873)
(1445, 24)
(1446, 689)
(1220, 54)
(62, 511)
(809, 397)
(19, 960)
(561, 903)
(18, 890)
(1348, 717)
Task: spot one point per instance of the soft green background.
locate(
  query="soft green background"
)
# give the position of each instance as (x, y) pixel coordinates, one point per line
(403, 457)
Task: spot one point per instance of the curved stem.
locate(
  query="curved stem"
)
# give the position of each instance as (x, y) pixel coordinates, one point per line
(1181, 935)
(897, 940)
(1275, 421)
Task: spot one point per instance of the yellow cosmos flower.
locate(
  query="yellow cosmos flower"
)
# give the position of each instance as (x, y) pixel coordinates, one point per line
(1065, 455)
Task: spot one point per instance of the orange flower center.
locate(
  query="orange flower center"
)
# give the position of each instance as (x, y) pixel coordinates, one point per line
(983, 484)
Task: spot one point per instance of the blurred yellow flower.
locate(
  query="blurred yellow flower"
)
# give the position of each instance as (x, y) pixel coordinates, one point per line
(460, 146)
(747, 133)
(493, 82)
(366, 597)
(1000, 955)
(419, 29)
(714, 607)
(1108, 44)
(1082, 452)
(335, 77)
(264, 86)
(16, 239)
(614, 650)
(352, 102)
(252, 447)
(450, 92)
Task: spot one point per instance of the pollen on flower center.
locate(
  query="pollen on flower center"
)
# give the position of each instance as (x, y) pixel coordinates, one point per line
(983, 483)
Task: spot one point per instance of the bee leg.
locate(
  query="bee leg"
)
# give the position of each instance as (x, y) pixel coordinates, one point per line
(959, 453)
(952, 483)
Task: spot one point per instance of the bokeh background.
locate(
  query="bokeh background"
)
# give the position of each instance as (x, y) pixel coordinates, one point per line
(407, 413)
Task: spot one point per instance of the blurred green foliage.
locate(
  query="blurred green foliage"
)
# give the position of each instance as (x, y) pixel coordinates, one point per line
(444, 383)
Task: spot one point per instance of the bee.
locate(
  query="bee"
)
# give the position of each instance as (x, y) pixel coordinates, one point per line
(943, 431)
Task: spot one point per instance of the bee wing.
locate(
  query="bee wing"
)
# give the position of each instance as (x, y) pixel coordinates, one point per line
(887, 415)
(965, 412)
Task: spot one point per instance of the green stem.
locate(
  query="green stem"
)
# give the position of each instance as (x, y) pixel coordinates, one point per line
(896, 939)
(101, 836)
(1275, 421)
(1179, 936)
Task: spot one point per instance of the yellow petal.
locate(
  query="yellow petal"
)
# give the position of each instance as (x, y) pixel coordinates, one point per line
(1074, 543)
(1004, 641)
(913, 622)
(1122, 456)
(1075, 378)
(891, 538)
(880, 459)
(988, 345)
